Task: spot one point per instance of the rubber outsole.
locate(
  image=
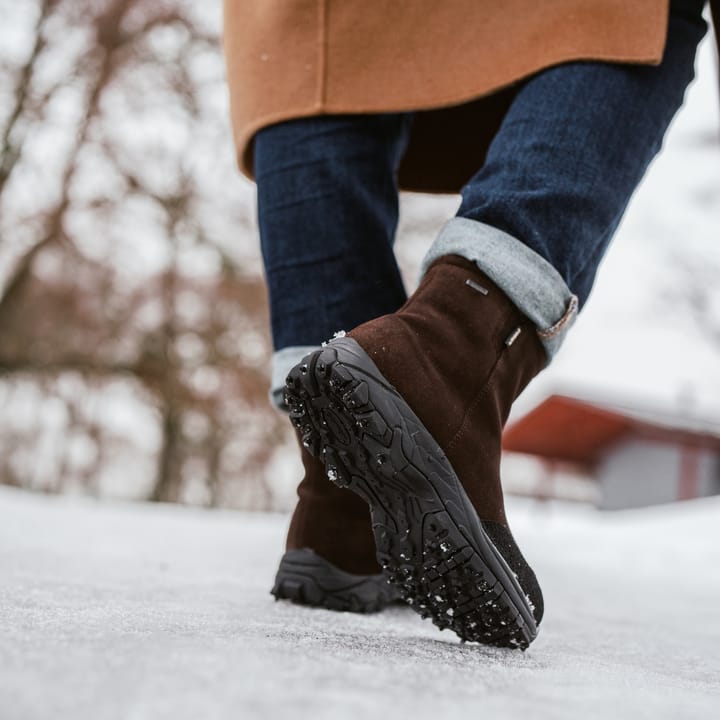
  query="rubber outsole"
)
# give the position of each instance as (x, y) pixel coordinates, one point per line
(429, 539)
(306, 578)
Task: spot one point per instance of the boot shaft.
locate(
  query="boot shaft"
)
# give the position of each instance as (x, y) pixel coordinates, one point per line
(331, 521)
(459, 352)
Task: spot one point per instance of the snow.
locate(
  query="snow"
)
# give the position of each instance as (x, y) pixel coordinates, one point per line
(110, 610)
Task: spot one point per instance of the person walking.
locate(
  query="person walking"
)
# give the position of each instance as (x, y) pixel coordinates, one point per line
(544, 116)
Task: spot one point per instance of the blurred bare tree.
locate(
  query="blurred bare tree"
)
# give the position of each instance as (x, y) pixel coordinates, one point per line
(132, 310)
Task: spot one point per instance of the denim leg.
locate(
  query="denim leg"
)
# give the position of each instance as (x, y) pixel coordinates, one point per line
(328, 211)
(573, 146)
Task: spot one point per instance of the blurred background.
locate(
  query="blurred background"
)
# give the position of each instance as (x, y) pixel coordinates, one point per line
(133, 321)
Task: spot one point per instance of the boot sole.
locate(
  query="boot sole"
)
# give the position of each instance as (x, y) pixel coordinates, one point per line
(429, 539)
(305, 578)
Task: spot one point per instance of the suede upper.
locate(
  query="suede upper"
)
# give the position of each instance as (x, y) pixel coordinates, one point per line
(454, 353)
(503, 540)
(332, 521)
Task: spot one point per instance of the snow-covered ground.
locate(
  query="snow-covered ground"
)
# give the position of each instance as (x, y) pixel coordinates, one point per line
(132, 611)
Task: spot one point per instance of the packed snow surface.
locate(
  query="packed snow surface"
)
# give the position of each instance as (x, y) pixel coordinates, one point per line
(132, 611)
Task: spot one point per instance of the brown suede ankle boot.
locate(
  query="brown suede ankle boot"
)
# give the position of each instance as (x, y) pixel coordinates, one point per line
(407, 410)
(330, 550)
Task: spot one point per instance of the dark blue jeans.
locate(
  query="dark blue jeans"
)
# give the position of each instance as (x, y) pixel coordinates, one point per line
(573, 146)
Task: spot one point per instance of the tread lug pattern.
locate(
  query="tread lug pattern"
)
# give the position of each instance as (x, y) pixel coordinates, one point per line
(372, 443)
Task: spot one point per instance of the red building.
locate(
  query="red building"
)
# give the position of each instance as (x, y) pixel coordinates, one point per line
(635, 457)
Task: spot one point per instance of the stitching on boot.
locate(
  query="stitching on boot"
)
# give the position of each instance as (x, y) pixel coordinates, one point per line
(489, 383)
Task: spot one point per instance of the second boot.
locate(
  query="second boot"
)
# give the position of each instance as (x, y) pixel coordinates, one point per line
(329, 558)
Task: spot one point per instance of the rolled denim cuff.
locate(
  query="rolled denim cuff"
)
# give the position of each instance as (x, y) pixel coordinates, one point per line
(282, 362)
(530, 281)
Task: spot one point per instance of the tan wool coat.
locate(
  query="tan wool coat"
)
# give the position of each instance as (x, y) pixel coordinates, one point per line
(457, 59)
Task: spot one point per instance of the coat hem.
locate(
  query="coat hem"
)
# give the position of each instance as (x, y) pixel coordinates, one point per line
(321, 106)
